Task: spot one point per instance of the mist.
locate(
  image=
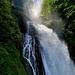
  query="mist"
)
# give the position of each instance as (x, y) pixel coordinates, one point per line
(55, 22)
(32, 10)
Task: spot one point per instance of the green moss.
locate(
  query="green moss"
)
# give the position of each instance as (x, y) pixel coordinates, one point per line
(11, 59)
(10, 62)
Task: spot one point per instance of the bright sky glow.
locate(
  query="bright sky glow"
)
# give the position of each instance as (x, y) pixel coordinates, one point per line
(36, 10)
(39, 1)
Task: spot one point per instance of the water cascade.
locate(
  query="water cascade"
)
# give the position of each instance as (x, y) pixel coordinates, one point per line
(29, 50)
(54, 53)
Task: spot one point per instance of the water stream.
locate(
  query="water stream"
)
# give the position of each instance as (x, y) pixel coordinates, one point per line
(54, 52)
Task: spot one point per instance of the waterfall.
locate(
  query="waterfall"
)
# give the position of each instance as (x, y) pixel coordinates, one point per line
(54, 53)
(29, 52)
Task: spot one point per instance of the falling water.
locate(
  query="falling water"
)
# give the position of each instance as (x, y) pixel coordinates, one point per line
(29, 50)
(54, 53)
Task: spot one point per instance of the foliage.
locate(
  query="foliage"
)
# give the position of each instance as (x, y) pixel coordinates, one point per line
(66, 10)
(11, 60)
(47, 7)
(10, 63)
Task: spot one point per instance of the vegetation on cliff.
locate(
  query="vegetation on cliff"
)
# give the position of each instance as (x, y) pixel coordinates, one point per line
(66, 9)
(11, 59)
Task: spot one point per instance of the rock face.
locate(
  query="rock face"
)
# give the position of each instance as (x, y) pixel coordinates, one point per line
(32, 54)
(39, 59)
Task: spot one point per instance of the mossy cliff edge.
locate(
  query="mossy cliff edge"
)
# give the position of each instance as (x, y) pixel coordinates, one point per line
(11, 59)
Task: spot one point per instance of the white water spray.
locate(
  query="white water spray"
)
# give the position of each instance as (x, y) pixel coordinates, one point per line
(54, 53)
(32, 9)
